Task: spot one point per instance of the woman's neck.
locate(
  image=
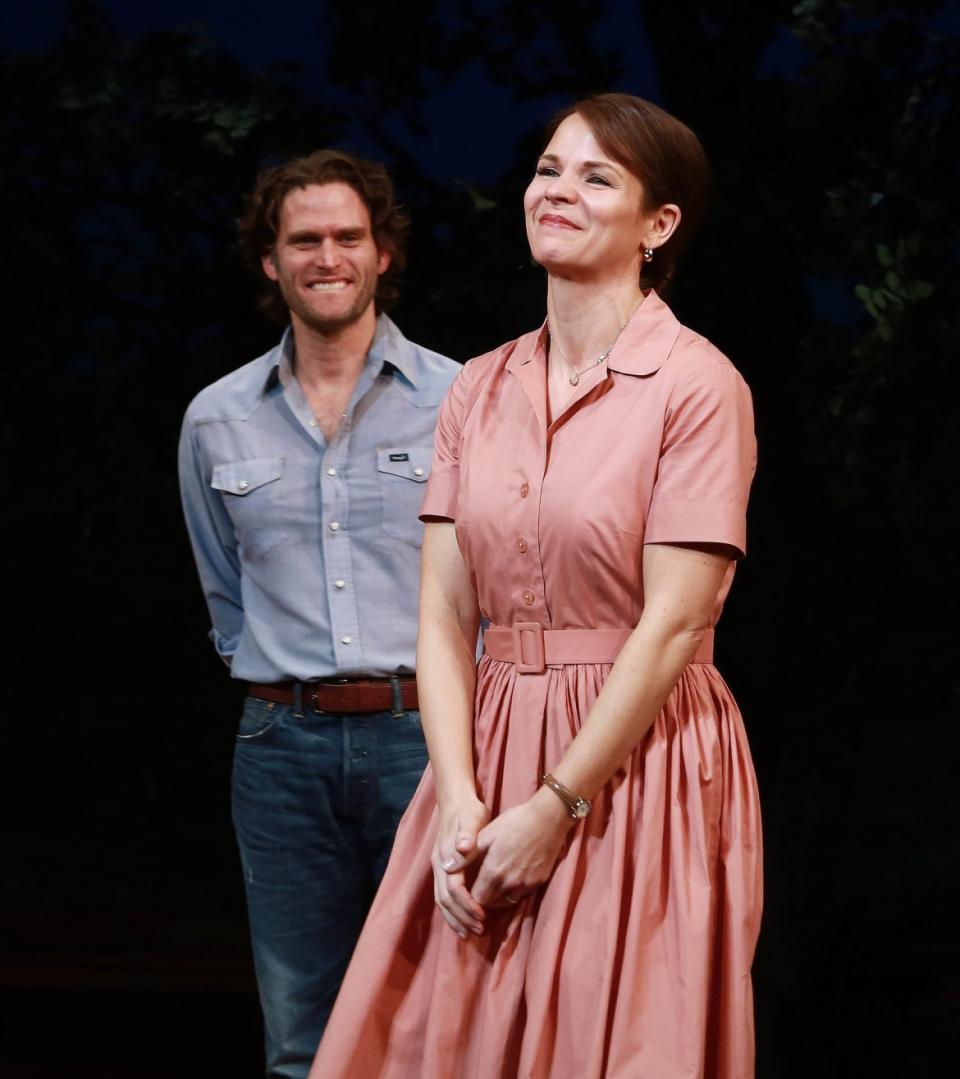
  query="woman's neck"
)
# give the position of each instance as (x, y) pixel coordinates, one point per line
(585, 318)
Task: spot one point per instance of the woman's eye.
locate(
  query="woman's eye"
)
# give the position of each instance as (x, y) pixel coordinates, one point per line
(546, 170)
(598, 180)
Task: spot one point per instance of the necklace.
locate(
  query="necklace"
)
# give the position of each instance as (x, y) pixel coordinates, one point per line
(574, 378)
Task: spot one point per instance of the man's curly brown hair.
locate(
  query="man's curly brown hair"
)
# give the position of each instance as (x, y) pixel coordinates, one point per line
(390, 223)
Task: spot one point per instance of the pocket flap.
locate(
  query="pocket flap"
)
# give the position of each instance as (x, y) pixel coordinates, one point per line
(242, 477)
(408, 462)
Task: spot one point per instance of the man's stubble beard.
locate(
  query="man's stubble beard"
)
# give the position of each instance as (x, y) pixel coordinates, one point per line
(313, 321)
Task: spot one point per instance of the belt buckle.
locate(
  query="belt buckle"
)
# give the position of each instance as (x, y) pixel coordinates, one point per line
(339, 683)
(538, 663)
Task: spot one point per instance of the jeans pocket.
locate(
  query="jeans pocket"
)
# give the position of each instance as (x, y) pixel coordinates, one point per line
(257, 719)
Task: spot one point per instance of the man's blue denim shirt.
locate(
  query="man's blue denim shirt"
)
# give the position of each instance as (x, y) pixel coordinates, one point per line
(309, 552)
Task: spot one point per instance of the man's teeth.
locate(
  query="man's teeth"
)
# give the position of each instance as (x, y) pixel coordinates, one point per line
(326, 286)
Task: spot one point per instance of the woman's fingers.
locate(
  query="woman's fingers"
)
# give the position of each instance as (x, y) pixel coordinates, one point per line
(459, 909)
(463, 850)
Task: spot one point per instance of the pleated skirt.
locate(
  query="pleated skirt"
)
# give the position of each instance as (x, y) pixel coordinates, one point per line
(632, 962)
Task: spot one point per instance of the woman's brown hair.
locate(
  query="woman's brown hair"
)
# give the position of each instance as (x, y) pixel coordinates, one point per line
(663, 154)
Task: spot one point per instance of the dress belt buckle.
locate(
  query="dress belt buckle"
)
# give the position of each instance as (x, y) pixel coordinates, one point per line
(528, 640)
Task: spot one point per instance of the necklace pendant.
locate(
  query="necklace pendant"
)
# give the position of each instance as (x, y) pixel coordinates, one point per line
(574, 380)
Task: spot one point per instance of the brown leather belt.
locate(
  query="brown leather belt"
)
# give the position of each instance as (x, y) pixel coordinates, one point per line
(341, 697)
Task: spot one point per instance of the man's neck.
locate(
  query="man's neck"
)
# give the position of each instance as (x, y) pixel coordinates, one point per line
(335, 358)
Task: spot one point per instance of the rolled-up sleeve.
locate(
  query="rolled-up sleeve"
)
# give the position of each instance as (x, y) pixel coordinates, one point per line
(707, 462)
(443, 486)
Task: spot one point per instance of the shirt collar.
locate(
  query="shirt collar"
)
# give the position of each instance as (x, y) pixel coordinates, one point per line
(647, 339)
(389, 348)
(642, 348)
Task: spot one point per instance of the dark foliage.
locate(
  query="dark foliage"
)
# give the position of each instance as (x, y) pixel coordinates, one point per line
(828, 272)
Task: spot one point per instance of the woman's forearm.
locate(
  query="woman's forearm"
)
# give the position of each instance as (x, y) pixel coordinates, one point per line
(637, 687)
(447, 662)
(681, 586)
(446, 681)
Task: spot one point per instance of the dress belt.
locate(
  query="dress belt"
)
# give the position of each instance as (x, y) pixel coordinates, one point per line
(343, 696)
(533, 648)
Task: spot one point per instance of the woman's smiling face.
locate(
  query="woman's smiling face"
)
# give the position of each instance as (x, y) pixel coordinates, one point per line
(584, 211)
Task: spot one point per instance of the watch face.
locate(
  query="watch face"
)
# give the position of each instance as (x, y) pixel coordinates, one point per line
(582, 808)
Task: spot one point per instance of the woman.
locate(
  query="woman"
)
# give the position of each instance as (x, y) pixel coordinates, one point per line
(590, 814)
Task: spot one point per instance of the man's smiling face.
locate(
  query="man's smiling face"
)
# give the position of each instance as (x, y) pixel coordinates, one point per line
(325, 260)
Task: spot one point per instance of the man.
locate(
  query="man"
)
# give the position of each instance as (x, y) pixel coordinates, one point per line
(302, 475)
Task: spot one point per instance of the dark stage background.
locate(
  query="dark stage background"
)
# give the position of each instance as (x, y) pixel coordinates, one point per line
(828, 271)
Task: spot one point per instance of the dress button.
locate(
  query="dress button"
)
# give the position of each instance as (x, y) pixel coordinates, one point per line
(528, 597)
(524, 490)
(331, 471)
(244, 485)
(521, 545)
(339, 584)
(334, 526)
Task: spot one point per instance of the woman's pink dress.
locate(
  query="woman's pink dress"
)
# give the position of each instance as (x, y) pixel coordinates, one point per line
(633, 961)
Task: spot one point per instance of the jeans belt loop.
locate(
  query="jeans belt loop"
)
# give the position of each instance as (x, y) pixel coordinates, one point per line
(298, 700)
(528, 641)
(397, 694)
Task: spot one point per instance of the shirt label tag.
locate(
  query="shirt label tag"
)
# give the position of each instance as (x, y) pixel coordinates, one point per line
(399, 456)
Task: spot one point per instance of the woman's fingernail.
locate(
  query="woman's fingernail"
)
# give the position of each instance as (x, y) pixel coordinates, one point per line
(448, 864)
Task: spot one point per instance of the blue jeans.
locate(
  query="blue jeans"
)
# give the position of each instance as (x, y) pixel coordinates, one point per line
(316, 803)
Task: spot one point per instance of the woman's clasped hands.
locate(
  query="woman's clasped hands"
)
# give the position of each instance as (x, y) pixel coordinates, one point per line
(513, 854)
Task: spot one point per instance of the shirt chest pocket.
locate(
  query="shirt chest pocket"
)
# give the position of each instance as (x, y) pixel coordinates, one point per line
(403, 471)
(251, 492)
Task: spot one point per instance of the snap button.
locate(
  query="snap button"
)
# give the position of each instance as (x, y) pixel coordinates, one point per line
(334, 526)
(339, 584)
(331, 471)
(418, 471)
(346, 640)
(244, 485)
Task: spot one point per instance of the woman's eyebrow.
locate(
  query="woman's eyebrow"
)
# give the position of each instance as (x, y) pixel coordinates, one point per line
(601, 165)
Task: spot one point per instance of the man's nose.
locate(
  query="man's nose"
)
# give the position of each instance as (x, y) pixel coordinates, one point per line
(326, 254)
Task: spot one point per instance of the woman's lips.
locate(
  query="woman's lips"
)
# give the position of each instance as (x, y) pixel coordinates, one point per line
(556, 221)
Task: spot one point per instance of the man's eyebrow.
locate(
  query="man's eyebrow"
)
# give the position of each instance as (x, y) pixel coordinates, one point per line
(299, 235)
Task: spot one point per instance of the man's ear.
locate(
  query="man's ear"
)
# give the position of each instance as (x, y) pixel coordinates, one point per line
(383, 263)
(269, 264)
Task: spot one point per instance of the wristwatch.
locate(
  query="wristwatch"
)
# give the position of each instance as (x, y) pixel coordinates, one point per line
(579, 807)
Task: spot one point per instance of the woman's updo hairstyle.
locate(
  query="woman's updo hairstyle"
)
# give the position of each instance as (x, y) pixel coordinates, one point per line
(663, 154)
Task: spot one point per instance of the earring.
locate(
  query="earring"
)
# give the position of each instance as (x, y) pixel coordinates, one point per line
(648, 254)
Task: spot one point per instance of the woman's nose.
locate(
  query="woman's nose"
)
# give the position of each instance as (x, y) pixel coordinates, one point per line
(559, 190)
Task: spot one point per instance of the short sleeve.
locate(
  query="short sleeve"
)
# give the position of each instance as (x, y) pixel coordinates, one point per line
(444, 484)
(707, 461)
